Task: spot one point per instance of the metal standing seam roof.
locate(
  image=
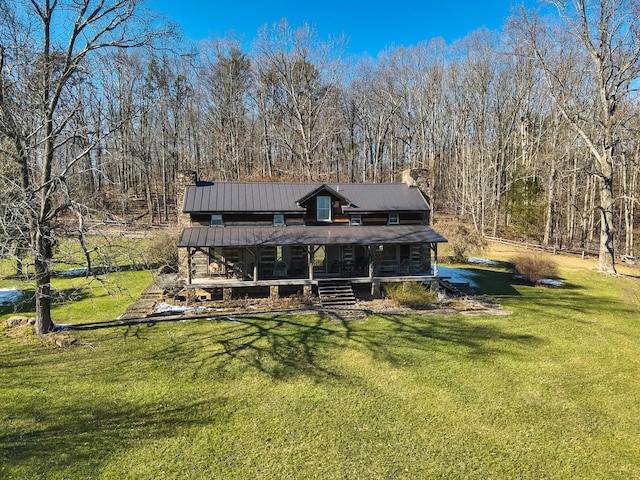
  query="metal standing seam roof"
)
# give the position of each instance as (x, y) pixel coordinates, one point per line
(250, 236)
(231, 197)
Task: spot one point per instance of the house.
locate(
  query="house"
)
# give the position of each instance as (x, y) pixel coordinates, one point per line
(241, 235)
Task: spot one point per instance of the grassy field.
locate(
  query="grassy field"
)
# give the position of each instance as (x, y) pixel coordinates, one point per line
(550, 391)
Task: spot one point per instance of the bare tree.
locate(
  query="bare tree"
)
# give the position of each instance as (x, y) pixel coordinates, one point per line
(607, 34)
(227, 78)
(296, 76)
(48, 52)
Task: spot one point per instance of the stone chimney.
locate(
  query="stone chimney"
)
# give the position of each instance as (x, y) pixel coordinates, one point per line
(417, 177)
(185, 178)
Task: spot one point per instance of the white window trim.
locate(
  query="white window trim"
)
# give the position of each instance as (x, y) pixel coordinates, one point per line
(396, 218)
(328, 219)
(280, 222)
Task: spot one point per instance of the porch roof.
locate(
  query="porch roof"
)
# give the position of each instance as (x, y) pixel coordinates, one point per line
(250, 236)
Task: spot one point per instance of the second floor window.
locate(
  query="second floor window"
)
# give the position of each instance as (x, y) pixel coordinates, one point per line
(324, 209)
(394, 219)
(278, 219)
(216, 220)
(355, 220)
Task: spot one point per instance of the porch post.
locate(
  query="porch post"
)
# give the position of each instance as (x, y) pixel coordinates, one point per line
(375, 284)
(256, 260)
(375, 289)
(189, 272)
(435, 283)
(311, 254)
(274, 292)
(435, 259)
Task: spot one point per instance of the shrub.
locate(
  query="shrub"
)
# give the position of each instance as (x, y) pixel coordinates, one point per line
(411, 294)
(162, 250)
(461, 240)
(534, 267)
(170, 284)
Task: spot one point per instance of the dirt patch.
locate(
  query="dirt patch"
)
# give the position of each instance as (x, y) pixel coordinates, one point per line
(462, 305)
(21, 328)
(201, 304)
(477, 305)
(301, 304)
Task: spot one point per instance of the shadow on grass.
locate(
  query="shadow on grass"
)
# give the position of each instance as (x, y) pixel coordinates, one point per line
(403, 338)
(284, 345)
(570, 302)
(81, 437)
(502, 284)
(490, 282)
(278, 346)
(287, 346)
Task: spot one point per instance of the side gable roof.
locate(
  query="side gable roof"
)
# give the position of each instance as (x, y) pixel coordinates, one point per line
(232, 197)
(225, 197)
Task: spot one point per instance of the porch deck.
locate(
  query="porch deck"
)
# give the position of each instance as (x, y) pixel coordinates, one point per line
(222, 282)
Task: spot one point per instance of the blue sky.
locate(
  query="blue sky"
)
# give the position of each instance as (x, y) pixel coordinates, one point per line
(370, 26)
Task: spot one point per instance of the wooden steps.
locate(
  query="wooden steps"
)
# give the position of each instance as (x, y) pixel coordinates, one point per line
(456, 289)
(332, 293)
(143, 307)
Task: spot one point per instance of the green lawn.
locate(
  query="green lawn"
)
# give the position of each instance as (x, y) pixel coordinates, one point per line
(551, 391)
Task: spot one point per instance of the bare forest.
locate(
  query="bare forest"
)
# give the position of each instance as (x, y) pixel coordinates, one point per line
(529, 133)
(507, 149)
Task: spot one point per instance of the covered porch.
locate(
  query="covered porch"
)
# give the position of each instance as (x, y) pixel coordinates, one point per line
(241, 257)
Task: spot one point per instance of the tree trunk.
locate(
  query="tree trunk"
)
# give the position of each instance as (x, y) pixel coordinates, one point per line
(43, 254)
(606, 257)
(551, 200)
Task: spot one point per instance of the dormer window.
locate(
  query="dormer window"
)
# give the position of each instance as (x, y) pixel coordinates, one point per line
(216, 220)
(278, 220)
(394, 219)
(355, 220)
(323, 210)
